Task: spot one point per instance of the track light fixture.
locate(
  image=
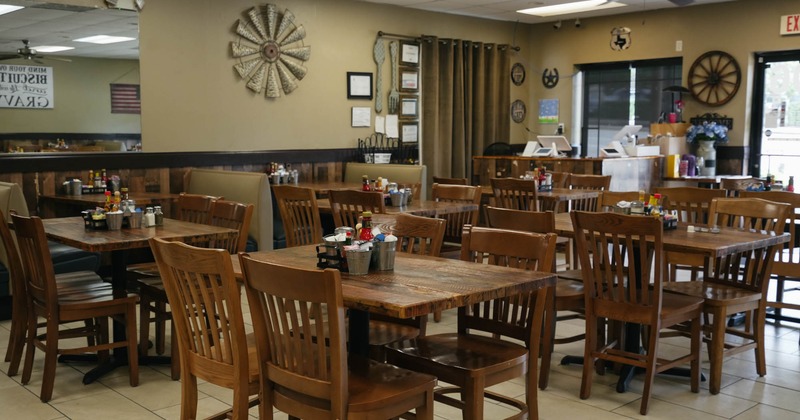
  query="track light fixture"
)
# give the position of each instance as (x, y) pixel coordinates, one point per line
(577, 23)
(557, 25)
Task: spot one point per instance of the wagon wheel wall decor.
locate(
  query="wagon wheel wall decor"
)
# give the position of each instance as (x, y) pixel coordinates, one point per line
(269, 50)
(714, 78)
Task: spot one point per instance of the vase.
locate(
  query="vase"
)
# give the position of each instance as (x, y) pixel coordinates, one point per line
(706, 150)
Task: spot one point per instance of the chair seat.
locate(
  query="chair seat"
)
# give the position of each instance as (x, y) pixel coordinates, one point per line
(569, 295)
(575, 274)
(385, 332)
(460, 352)
(153, 286)
(373, 385)
(149, 269)
(252, 358)
(677, 308)
(713, 294)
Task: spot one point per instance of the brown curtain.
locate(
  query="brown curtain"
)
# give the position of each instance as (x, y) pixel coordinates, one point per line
(465, 102)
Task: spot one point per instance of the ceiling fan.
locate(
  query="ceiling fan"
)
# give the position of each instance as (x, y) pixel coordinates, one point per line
(27, 53)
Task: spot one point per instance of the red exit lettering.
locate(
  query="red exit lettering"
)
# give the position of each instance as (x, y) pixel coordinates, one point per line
(793, 23)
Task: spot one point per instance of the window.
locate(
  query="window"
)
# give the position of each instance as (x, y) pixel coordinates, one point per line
(625, 93)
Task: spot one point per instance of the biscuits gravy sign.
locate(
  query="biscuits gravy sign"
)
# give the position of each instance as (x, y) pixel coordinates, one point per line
(29, 87)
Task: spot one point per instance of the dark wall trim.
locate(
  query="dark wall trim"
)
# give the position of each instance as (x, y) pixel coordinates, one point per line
(39, 162)
(71, 136)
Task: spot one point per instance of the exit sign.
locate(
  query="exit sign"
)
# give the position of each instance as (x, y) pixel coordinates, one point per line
(790, 24)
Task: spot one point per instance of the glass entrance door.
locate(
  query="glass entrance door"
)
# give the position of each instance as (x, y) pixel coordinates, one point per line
(776, 126)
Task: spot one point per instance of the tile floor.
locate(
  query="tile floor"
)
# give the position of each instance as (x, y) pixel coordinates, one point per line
(744, 394)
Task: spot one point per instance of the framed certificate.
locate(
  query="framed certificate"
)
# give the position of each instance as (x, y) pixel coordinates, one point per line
(409, 79)
(409, 132)
(409, 53)
(359, 85)
(409, 107)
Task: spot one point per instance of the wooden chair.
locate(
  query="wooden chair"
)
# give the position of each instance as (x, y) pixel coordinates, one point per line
(152, 294)
(472, 361)
(568, 293)
(455, 221)
(692, 205)
(415, 235)
(314, 378)
(737, 283)
(787, 260)
(588, 182)
(347, 205)
(207, 312)
(609, 199)
(732, 186)
(515, 194)
(299, 213)
(617, 263)
(450, 181)
(67, 283)
(560, 179)
(45, 301)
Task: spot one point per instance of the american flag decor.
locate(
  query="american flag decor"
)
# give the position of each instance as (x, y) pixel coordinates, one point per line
(125, 99)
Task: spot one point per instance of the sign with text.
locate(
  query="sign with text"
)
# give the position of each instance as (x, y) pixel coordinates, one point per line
(23, 86)
(790, 25)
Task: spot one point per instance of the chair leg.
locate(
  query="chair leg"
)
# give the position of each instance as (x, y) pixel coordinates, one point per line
(188, 394)
(696, 341)
(760, 315)
(588, 361)
(161, 325)
(548, 335)
(144, 323)
(716, 348)
(425, 411)
(29, 350)
(16, 344)
(240, 402)
(437, 316)
(50, 361)
(650, 369)
(473, 397)
(133, 354)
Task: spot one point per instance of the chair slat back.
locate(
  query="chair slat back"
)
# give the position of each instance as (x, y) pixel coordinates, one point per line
(450, 181)
(40, 281)
(419, 235)
(619, 254)
(691, 203)
(511, 316)
(588, 182)
(347, 205)
(299, 213)
(733, 186)
(747, 269)
(457, 194)
(13, 264)
(232, 215)
(515, 194)
(299, 355)
(787, 260)
(195, 208)
(609, 199)
(206, 308)
(526, 221)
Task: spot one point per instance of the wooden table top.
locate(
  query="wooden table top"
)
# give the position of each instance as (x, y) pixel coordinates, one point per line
(713, 245)
(71, 231)
(91, 200)
(418, 285)
(557, 194)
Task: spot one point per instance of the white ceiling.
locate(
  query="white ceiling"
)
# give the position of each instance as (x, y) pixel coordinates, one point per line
(55, 24)
(507, 9)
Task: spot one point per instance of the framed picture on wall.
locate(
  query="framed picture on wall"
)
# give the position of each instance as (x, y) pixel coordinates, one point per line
(409, 107)
(359, 85)
(409, 131)
(409, 53)
(409, 79)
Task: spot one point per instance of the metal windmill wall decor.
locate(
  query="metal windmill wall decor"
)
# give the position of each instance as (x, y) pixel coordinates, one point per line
(269, 50)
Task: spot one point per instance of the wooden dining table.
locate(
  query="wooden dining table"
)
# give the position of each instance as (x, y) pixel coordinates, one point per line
(72, 231)
(711, 246)
(417, 286)
(57, 205)
(554, 196)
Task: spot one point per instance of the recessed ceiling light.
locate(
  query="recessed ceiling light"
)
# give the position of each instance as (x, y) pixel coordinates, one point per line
(52, 48)
(574, 7)
(104, 39)
(7, 8)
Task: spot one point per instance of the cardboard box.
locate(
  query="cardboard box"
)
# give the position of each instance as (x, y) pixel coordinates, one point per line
(673, 145)
(674, 129)
(672, 166)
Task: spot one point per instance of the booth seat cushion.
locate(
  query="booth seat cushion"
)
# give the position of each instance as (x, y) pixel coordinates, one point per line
(401, 174)
(244, 187)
